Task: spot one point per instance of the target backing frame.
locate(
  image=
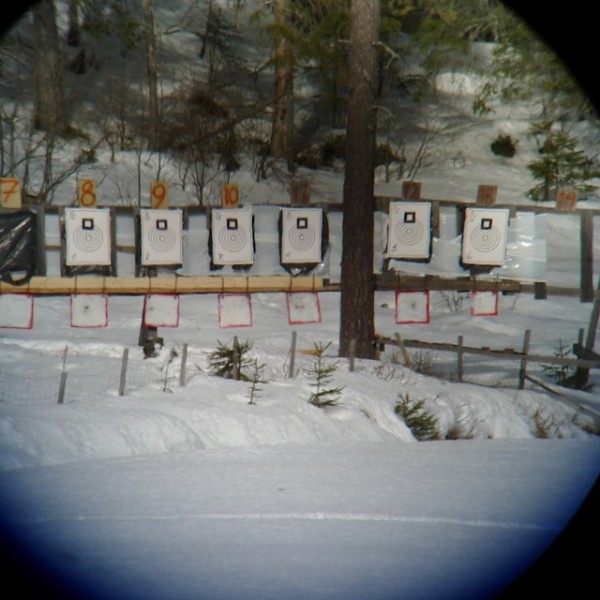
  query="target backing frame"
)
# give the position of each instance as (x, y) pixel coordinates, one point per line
(409, 231)
(485, 234)
(301, 236)
(232, 237)
(87, 237)
(161, 237)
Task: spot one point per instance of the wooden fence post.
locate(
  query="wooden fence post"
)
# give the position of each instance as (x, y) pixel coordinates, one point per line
(183, 366)
(123, 378)
(459, 358)
(292, 356)
(587, 256)
(405, 354)
(523, 371)
(63, 378)
(236, 358)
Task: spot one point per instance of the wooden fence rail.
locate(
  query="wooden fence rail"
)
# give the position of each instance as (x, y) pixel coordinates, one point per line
(507, 353)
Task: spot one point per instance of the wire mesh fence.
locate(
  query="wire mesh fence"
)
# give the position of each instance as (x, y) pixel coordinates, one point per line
(78, 377)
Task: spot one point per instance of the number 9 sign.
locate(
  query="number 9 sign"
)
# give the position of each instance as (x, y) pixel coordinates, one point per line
(159, 195)
(230, 196)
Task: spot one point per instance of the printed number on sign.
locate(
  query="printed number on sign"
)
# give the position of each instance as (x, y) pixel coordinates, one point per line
(87, 193)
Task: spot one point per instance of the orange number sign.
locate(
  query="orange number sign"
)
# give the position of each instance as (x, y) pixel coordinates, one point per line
(10, 192)
(231, 196)
(87, 193)
(159, 193)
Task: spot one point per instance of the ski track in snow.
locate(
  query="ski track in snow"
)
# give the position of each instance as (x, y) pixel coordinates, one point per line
(304, 516)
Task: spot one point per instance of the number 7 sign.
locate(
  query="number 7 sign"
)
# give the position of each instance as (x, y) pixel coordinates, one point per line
(10, 192)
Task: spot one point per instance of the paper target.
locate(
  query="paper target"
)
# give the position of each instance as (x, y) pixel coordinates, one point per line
(303, 307)
(484, 303)
(235, 310)
(16, 311)
(484, 236)
(232, 237)
(89, 310)
(161, 310)
(161, 237)
(412, 307)
(301, 235)
(87, 233)
(409, 230)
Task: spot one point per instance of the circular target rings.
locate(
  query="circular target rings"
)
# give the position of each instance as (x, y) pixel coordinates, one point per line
(87, 240)
(302, 239)
(233, 240)
(409, 234)
(485, 240)
(162, 240)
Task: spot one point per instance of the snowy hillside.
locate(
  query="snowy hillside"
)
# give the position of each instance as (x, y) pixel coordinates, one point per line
(180, 488)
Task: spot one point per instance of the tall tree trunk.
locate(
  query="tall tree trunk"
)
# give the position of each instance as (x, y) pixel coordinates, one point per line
(282, 132)
(358, 282)
(73, 31)
(50, 106)
(152, 63)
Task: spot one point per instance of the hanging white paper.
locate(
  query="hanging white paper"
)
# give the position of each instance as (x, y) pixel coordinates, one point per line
(232, 237)
(484, 236)
(161, 310)
(235, 310)
(87, 234)
(409, 230)
(89, 310)
(484, 303)
(301, 235)
(16, 311)
(161, 237)
(412, 307)
(303, 307)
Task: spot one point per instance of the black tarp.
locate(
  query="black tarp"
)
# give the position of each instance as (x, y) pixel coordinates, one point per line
(18, 246)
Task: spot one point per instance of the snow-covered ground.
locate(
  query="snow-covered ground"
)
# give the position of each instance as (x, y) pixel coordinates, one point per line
(187, 491)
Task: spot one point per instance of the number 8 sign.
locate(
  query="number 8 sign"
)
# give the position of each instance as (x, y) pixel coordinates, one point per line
(87, 193)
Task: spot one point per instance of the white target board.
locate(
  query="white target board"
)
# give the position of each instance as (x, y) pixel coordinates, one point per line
(484, 304)
(161, 310)
(412, 307)
(409, 230)
(16, 311)
(232, 237)
(89, 310)
(484, 236)
(87, 233)
(161, 237)
(303, 307)
(301, 235)
(235, 310)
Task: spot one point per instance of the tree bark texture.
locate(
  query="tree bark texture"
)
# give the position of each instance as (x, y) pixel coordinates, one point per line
(152, 62)
(283, 113)
(358, 282)
(50, 106)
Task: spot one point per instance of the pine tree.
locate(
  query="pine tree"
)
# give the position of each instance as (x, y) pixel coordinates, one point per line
(561, 164)
(321, 376)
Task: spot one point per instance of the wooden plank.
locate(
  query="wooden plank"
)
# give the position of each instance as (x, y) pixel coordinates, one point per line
(587, 256)
(166, 284)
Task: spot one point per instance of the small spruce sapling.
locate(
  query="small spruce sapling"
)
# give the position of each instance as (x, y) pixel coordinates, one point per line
(321, 376)
(422, 423)
(256, 380)
(231, 361)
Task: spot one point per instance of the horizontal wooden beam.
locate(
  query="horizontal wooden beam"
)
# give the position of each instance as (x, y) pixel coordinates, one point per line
(167, 285)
